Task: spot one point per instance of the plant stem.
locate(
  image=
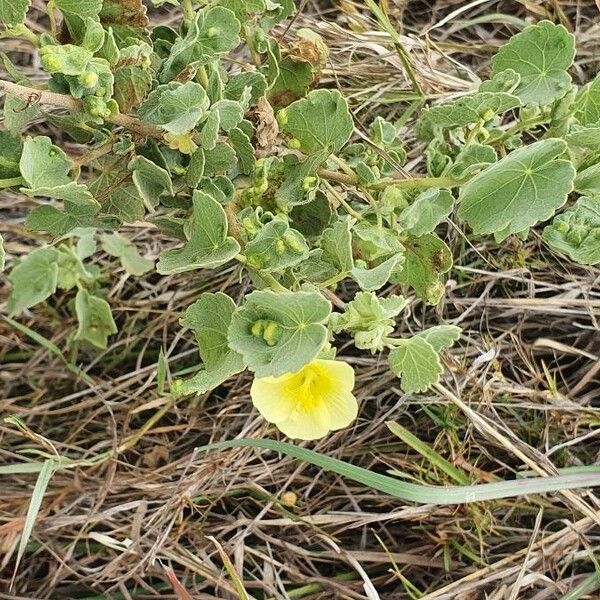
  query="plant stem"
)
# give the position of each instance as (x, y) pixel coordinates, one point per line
(11, 182)
(32, 96)
(188, 10)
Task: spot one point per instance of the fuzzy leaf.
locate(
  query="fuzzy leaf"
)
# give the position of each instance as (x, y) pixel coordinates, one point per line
(587, 182)
(515, 193)
(212, 33)
(34, 279)
(276, 247)
(416, 363)
(96, 322)
(209, 318)
(368, 319)
(12, 12)
(427, 211)
(117, 245)
(427, 259)
(541, 55)
(12, 148)
(587, 103)
(244, 150)
(43, 164)
(321, 121)
(150, 180)
(441, 336)
(464, 111)
(279, 333)
(576, 232)
(336, 243)
(177, 108)
(374, 278)
(208, 244)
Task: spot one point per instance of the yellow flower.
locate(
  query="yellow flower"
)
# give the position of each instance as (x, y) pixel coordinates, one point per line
(310, 403)
(181, 141)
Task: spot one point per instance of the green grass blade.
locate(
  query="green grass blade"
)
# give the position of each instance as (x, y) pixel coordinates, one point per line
(19, 468)
(422, 493)
(428, 453)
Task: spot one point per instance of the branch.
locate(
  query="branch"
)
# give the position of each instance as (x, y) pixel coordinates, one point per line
(32, 96)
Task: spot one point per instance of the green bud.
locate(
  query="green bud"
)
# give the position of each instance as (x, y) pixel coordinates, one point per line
(89, 79)
(279, 247)
(282, 117)
(212, 32)
(257, 328)
(561, 226)
(113, 109)
(292, 243)
(488, 114)
(308, 183)
(271, 333)
(51, 63)
(294, 143)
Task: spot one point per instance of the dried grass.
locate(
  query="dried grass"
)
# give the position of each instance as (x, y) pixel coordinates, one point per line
(527, 385)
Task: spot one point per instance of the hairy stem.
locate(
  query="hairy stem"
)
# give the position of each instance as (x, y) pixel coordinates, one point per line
(32, 96)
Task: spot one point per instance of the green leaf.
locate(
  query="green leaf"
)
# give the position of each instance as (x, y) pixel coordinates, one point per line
(416, 363)
(67, 59)
(300, 180)
(208, 244)
(576, 232)
(117, 245)
(441, 336)
(127, 18)
(587, 182)
(503, 81)
(311, 219)
(177, 108)
(209, 318)
(133, 76)
(279, 333)
(276, 247)
(230, 113)
(369, 319)
(80, 208)
(209, 134)
(427, 211)
(150, 180)
(292, 81)
(541, 55)
(12, 147)
(218, 160)
(427, 259)
(321, 121)
(43, 164)
(481, 106)
(244, 150)
(472, 159)
(336, 243)
(584, 137)
(12, 12)
(515, 193)
(587, 103)
(212, 33)
(374, 278)
(237, 85)
(96, 322)
(118, 198)
(34, 279)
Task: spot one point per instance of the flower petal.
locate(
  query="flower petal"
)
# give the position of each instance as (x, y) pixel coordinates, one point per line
(341, 372)
(342, 408)
(270, 398)
(306, 426)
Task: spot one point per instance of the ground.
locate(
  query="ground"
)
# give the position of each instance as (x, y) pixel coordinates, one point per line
(145, 509)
